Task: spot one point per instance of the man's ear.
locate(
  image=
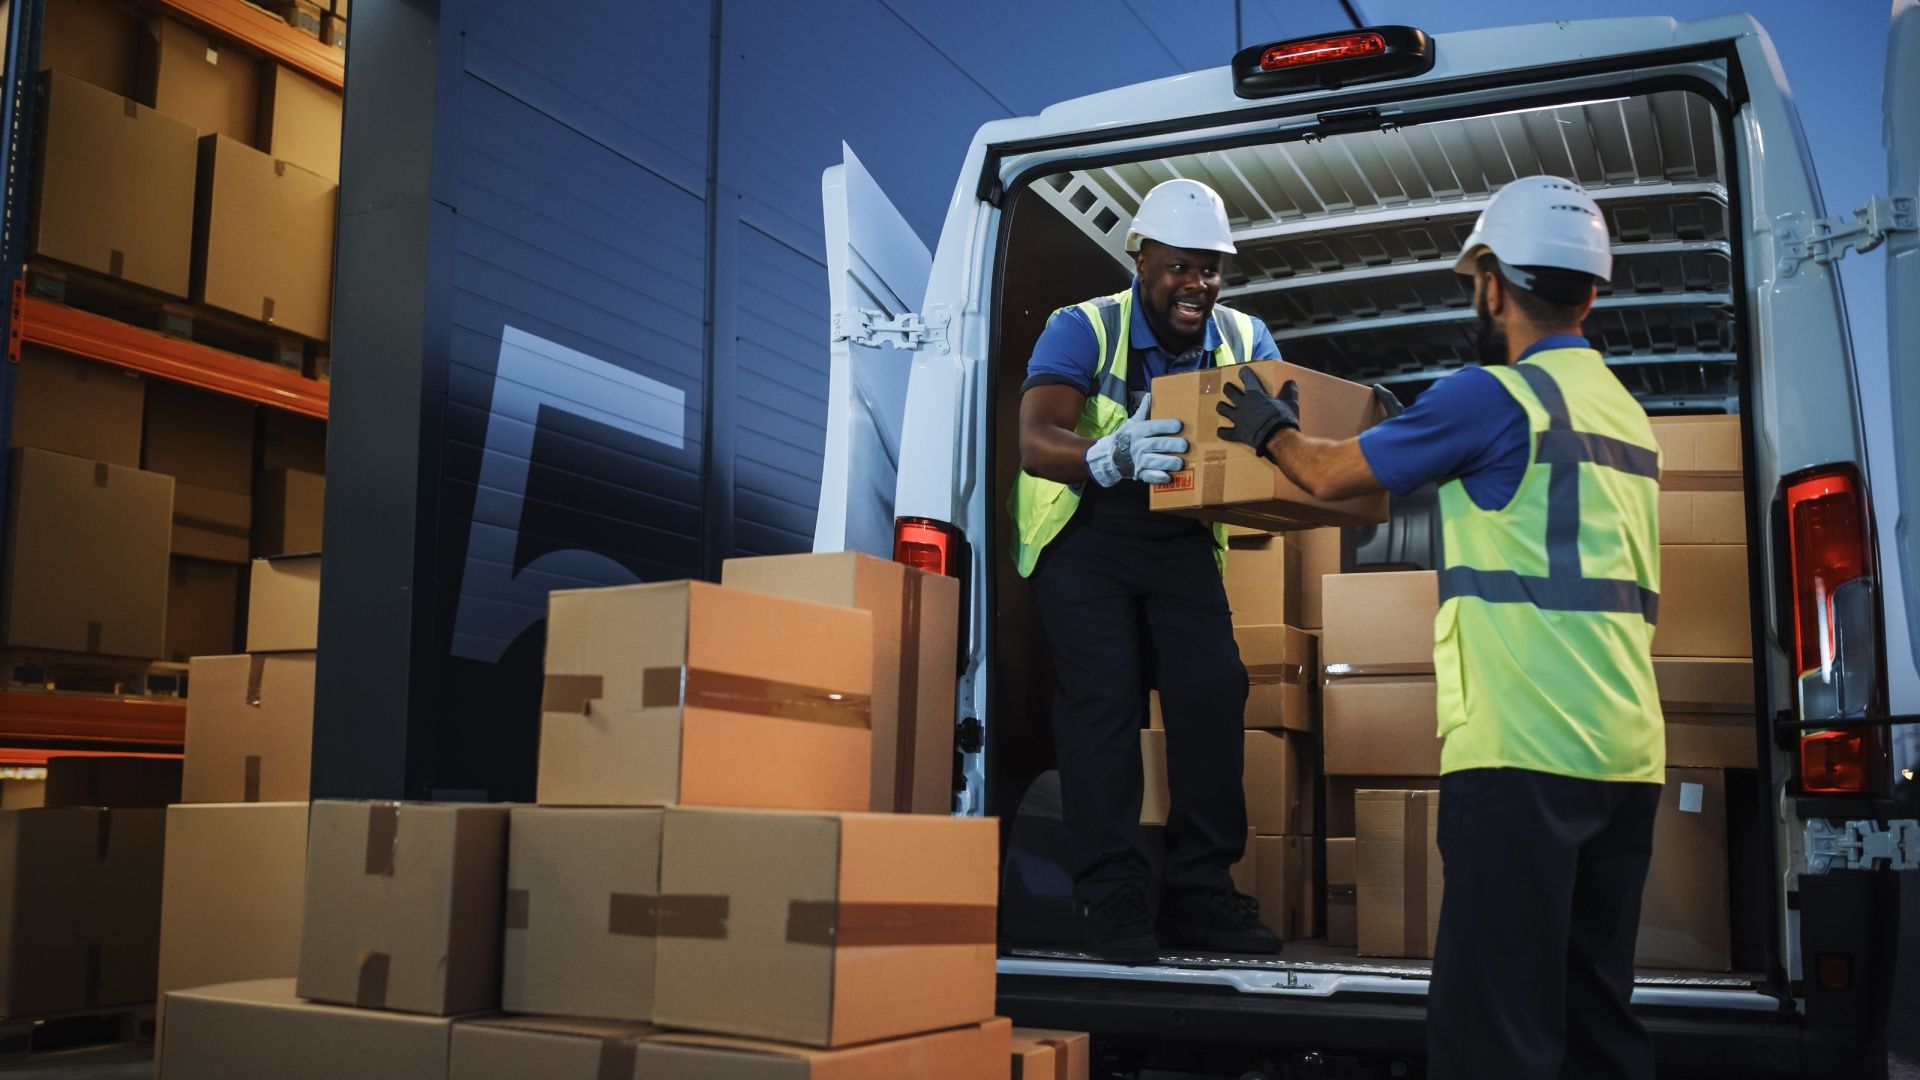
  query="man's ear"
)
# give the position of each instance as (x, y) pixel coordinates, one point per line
(1496, 292)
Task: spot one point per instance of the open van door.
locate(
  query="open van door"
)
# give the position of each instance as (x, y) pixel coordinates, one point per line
(877, 272)
(1901, 136)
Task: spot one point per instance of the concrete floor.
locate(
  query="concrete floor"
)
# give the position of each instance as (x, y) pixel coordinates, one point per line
(103, 1063)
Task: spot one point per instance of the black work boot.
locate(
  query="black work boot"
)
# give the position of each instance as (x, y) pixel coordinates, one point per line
(1215, 919)
(1120, 927)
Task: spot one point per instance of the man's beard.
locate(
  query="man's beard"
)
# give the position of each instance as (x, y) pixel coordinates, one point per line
(1171, 341)
(1489, 337)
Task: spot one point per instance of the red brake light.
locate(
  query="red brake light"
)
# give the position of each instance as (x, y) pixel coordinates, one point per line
(1830, 545)
(925, 544)
(1320, 50)
(1833, 762)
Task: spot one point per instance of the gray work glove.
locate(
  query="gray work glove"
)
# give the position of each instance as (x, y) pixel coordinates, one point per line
(1141, 450)
(1388, 400)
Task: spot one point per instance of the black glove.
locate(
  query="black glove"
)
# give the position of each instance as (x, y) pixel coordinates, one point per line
(1253, 415)
(1388, 400)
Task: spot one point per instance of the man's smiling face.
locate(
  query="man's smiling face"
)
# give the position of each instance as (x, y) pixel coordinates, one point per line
(1178, 287)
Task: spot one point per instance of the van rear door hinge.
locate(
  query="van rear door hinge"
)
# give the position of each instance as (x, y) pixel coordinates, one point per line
(1862, 845)
(1827, 240)
(871, 328)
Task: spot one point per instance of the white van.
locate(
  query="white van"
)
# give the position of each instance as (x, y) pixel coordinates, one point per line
(1352, 166)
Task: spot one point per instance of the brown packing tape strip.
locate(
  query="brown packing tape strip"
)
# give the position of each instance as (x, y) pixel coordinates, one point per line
(697, 688)
(1703, 482)
(279, 167)
(874, 924)
(1413, 863)
(266, 309)
(1213, 478)
(907, 719)
(617, 1060)
(131, 108)
(383, 837)
(250, 782)
(371, 991)
(693, 916)
(1268, 674)
(571, 693)
(116, 263)
(1335, 672)
(514, 915)
(100, 474)
(635, 915)
(1210, 381)
(256, 677)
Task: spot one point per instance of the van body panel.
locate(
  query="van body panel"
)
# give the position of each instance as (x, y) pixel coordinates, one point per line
(1901, 136)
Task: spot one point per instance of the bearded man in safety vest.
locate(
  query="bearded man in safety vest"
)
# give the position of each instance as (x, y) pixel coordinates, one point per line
(1555, 745)
(1130, 598)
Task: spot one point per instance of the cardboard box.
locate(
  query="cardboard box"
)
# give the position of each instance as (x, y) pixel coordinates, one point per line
(1263, 580)
(212, 525)
(300, 120)
(1284, 885)
(263, 238)
(86, 558)
(73, 406)
(333, 30)
(1684, 915)
(1397, 872)
(1382, 725)
(1044, 1054)
(113, 190)
(582, 912)
(121, 782)
(91, 40)
(550, 1048)
(826, 929)
(199, 438)
(1703, 601)
(303, 15)
(716, 697)
(288, 512)
(1281, 671)
(230, 902)
(1319, 556)
(22, 792)
(247, 1030)
(1703, 517)
(249, 728)
(1381, 623)
(1709, 708)
(291, 441)
(1227, 481)
(916, 623)
(403, 906)
(203, 609)
(283, 605)
(186, 75)
(1343, 927)
(1277, 776)
(79, 908)
(961, 1053)
(1342, 789)
(1698, 453)
(339, 7)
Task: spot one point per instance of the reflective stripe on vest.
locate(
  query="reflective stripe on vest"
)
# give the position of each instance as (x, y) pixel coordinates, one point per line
(1542, 648)
(1041, 508)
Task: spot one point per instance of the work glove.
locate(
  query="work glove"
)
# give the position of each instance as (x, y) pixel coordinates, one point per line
(1141, 450)
(1388, 400)
(1253, 415)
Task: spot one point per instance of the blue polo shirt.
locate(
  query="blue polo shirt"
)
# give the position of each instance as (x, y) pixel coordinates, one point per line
(1068, 353)
(1466, 426)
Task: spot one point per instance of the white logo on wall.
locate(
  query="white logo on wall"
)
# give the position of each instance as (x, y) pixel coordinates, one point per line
(498, 603)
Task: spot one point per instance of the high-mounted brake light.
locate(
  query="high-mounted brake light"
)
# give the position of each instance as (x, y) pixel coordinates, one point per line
(926, 544)
(1370, 54)
(1320, 50)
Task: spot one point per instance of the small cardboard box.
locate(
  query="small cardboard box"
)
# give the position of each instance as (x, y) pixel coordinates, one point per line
(1380, 623)
(1285, 886)
(1382, 725)
(249, 728)
(690, 693)
(916, 621)
(1277, 777)
(403, 906)
(1263, 580)
(1281, 669)
(826, 929)
(583, 892)
(230, 903)
(91, 40)
(86, 556)
(1684, 914)
(263, 238)
(186, 75)
(1227, 481)
(79, 908)
(1397, 871)
(1703, 602)
(203, 609)
(1709, 708)
(113, 190)
(1043, 1054)
(300, 120)
(1319, 557)
(1343, 927)
(288, 512)
(549, 1048)
(120, 782)
(283, 605)
(333, 30)
(969, 1052)
(247, 1030)
(73, 406)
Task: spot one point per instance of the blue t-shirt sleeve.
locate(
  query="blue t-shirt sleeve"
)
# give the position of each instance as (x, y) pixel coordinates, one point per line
(1067, 353)
(1465, 425)
(1263, 346)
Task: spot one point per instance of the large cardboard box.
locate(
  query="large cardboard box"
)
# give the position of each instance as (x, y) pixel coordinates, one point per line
(249, 728)
(192, 78)
(230, 902)
(199, 438)
(86, 556)
(91, 40)
(916, 623)
(1284, 885)
(403, 906)
(263, 238)
(1684, 914)
(1704, 608)
(300, 120)
(1397, 872)
(1698, 452)
(283, 605)
(825, 929)
(1319, 557)
(1044, 1054)
(74, 406)
(249, 1030)
(79, 908)
(582, 911)
(1382, 725)
(1281, 672)
(113, 190)
(1709, 708)
(1227, 481)
(969, 1052)
(686, 692)
(547, 1048)
(1263, 579)
(211, 524)
(1380, 623)
(1703, 517)
(203, 609)
(121, 782)
(1343, 927)
(288, 511)
(1277, 776)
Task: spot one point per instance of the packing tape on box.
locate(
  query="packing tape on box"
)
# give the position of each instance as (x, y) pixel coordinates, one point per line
(1334, 672)
(250, 779)
(101, 474)
(1213, 478)
(371, 990)
(256, 675)
(692, 916)
(907, 719)
(383, 837)
(1270, 674)
(1342, 895)
(856, 925)
(634, 915)
(514, 915)
(617, 1060)
(93, 635)
(1725, 481)
(1413, 865)
(683, 687)
(266, 309)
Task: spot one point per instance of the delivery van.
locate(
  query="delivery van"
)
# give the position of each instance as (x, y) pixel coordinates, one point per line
(1353, 166)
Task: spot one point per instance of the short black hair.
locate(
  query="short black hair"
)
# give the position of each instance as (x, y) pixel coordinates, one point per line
(1555, 297)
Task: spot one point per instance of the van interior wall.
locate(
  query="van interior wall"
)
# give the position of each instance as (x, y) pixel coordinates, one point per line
(1049, 264)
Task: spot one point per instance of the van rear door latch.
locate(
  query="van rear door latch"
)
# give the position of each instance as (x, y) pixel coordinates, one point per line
(1827, 240)
(871, 328)
(1862, 845)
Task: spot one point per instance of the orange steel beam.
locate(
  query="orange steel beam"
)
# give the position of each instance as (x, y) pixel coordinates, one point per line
(19, 756)
(109, 341)
(263, 31)
(79, 719)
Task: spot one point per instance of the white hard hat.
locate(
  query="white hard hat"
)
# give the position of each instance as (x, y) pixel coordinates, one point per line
(1184, 214)
(1541, 221)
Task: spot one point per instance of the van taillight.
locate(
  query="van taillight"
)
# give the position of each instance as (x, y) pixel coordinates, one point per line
(1836, 624)
(926, 544)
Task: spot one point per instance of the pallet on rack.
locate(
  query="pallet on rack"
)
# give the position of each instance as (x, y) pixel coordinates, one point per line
(23, 1036)
(149, 310)
(99, 676)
